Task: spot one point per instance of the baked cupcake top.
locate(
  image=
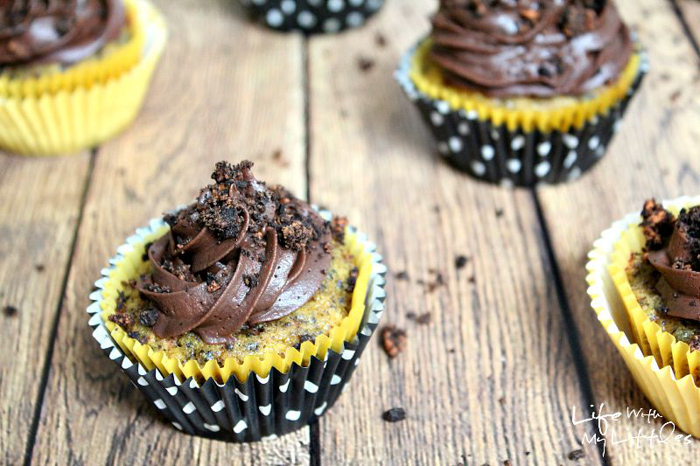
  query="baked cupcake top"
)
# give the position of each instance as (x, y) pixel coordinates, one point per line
(530, 48)
(57, 31)
(243, 253)
(673, 246)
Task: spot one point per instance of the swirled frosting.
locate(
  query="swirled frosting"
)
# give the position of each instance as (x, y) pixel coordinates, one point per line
(674, 251)
(243, 253)
(530, 48)
(57, 31)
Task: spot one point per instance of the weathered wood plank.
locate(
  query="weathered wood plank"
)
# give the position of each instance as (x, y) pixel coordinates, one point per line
(492, 377)
(38, 217)
(655, 154)
(690, 9)
(226, 89)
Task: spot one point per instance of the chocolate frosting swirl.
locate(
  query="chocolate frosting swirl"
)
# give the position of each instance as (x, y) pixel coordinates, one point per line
(242, 254)
(57, 31)
(678, 262)
(530, 48)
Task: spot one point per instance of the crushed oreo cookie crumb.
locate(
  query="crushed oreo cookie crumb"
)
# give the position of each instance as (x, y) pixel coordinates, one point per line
(125, 321)
(352, 279)
(393, 340)
(576, 455)
(148, 317)
(657, 224)
(380, 40)
(365, 64)
(461, 261)
(394, 415)
(138, 337)
(9, 311)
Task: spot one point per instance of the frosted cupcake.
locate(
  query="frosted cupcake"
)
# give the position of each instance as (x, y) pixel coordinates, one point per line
(244, 292)
(73, 74)
(523, 91)
(644, 283)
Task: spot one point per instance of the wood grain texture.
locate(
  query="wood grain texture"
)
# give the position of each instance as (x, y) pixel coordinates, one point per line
(655, 155)
(491, 378)
(226, 89)
(38, 216)
(690, 9)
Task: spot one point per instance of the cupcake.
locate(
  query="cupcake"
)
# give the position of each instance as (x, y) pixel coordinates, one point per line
(644, 278)
(244, 314)
(313, 16)
(73, 74)
(521, 92)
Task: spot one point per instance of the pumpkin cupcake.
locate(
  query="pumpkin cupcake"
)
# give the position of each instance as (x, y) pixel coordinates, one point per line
(521, 92)
(73, 73)
(644, 278)
(243, 314)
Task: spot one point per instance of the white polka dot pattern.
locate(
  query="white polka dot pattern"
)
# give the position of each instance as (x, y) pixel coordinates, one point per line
(314, 16)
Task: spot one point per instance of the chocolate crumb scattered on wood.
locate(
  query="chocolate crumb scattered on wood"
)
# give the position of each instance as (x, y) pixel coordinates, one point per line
(279, 158)
(461, 261)
(422, 319)
(40, 267)
(499, 213)
(10, 311)
(394, 415)
(365, 64)
(393, 340)
(380, 40)
(403, 275)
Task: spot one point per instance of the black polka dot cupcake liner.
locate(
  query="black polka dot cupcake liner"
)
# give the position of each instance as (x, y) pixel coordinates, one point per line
(496, 154)
(313, 16)
(259, 407)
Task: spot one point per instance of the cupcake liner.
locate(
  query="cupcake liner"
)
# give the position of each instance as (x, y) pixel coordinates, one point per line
(517, 148)
(313, 16)
(67, 112)
(664, 368)
(264, 403)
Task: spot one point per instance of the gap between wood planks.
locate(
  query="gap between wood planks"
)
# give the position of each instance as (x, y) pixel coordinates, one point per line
(314, 429)
(34, 427)
(569, 323)
(686, 27)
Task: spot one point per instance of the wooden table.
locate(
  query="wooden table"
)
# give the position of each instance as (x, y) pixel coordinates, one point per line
(512, 344)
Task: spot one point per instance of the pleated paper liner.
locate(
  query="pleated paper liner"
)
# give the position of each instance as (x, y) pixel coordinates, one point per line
(517, 146)
(313, 16)
(256, 399)
(665, 369)
(65, 112)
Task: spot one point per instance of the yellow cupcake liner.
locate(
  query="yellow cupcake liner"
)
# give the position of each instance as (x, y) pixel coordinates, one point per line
(132, 265)
(553, 114)
(75, 109)
(665, 369)
(115, 60)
